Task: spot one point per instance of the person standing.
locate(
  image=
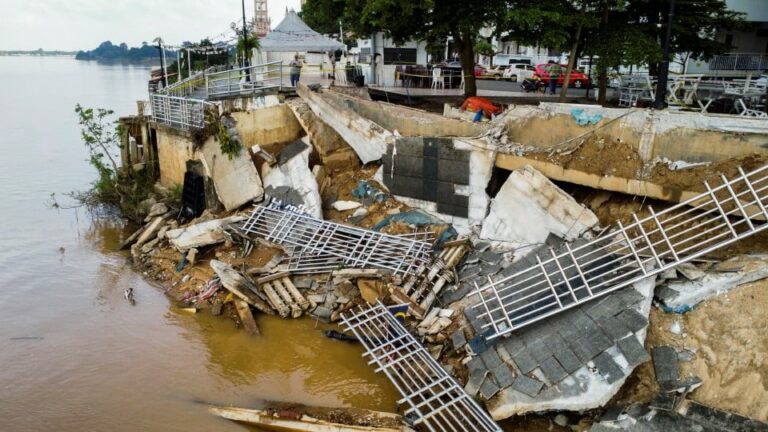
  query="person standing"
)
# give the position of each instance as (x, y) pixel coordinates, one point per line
(295, 66)
(555, 70)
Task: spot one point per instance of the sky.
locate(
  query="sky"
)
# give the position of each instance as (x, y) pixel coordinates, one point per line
(72, 25)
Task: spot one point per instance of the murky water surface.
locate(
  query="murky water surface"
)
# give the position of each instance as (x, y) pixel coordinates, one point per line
(74, 355)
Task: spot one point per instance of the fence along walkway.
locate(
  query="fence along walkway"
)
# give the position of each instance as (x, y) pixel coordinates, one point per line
(178, 112)
(433, 397)
(357, 247)
(725, 214)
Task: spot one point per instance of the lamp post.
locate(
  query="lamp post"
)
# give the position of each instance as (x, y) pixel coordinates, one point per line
(159, 42)
(245, 47)
(661, 86)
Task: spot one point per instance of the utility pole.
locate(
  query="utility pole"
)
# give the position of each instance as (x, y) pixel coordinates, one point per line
(661, 85)
(245, 47)
(162, 61)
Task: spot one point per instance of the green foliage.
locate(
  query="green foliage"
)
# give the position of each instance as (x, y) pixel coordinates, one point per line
(175, 194)
(229, 146)
(106, 51)
(324, 16)
(483, 47)
(114, 187)
(253, 43)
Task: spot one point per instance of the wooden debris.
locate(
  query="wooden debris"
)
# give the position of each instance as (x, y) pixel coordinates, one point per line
(301, 423)
(246, 317)
(283, 295)
(240, 286)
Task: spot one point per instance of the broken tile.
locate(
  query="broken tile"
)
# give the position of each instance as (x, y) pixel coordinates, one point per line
(664, 402)
(552, 370)
(633, 351)
(474, 382)
(567, 359)
(633, 320)
(608, 368)
(527, 385)
(488, 389)
(539, 351)
(491, 358)
(524, 362)
(490, 269)
(513, 344)
(590, 346)
(490, 257)
(504, 377)
(458, 339)
(475, 365)
(614, 327)
(665, 364)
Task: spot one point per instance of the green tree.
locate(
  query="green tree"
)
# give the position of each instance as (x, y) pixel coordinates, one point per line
(253, 43)
(429, 20)
(323, 16)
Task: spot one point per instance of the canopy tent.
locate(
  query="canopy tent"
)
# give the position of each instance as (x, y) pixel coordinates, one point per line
(293, 35)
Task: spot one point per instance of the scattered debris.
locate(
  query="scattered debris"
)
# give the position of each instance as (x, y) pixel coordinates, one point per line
(202, 234)
(128, 294)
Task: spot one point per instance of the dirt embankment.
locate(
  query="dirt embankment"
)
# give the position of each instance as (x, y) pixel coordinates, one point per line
(599, 156)
(727, 338)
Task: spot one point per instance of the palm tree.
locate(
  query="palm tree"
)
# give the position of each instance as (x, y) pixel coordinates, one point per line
(253, 42)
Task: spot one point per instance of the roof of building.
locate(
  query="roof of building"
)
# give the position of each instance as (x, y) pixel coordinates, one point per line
(292, 34)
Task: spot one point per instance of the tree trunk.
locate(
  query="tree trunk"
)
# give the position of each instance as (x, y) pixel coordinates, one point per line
(571, 62)
(467, 59)
(603, 83)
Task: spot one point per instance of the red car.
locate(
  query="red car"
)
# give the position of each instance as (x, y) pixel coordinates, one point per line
(578, 78)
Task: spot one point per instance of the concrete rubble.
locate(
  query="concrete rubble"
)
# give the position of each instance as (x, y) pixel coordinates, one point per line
(304, 233)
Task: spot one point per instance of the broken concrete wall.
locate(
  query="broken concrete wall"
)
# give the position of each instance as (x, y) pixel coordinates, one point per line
(292, 172)
(235, 178)
(407, 121)
(174, 149)
(443, 176)
(268, 127)
(367, 138)
(528, 208)
(673, 135)
(334, 152)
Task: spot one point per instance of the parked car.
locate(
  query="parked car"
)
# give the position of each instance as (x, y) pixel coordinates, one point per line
(519, 71)
(578, 78)
(456, 65)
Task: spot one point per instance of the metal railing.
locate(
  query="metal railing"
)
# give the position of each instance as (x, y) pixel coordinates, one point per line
(318, 240)
(232, 82)
(716, 218)
(433, 398)
(178, 112)
(739, 62)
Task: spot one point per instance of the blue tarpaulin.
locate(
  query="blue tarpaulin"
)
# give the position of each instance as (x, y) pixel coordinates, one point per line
(583, 119)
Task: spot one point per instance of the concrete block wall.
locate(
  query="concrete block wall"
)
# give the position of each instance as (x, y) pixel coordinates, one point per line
(444, 176)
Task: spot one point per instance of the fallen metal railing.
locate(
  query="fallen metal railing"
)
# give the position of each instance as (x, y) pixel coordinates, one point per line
(178, 112)
(432, 396)
(627, 254)
(357, 247)
(232, 82)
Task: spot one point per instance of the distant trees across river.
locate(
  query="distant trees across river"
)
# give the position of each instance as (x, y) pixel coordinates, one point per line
(108, 52)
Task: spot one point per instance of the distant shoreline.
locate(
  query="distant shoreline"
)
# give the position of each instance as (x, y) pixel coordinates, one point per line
(37, 53)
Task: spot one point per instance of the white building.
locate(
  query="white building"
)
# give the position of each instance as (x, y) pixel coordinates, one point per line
(388, 56)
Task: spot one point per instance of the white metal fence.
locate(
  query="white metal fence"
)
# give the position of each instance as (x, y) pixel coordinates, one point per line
(178, 112)
(739, 62)
(232, 82)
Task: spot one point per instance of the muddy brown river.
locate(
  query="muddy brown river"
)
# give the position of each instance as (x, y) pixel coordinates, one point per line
(74, 355)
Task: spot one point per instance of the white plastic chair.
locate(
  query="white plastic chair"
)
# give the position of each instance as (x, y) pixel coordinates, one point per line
(437, 78)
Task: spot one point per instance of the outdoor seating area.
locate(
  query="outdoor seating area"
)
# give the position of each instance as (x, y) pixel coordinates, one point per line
(698, 92)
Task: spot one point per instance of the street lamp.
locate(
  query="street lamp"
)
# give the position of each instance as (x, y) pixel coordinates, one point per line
(245, 47)
(661, 86)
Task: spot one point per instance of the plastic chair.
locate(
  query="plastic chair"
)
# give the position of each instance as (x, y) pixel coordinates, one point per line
(437, 78)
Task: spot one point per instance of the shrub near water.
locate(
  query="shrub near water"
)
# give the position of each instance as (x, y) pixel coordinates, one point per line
(117, 187)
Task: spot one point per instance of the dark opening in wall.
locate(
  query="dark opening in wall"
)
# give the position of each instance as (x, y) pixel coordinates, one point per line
(498, 177)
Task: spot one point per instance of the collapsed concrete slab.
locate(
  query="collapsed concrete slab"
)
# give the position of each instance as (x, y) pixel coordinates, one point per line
(368, 139)
(528, 208)
(576, 361)
(680, 295)
(202, 234)
(235, 178)
(293, 172)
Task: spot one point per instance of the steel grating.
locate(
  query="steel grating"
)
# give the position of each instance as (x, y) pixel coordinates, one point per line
(722, 215)
(322, 244)
(434, 399)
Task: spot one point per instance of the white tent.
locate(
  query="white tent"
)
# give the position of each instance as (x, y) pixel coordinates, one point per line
(292, 35)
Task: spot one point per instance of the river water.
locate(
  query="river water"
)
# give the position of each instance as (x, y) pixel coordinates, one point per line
(74, 355)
